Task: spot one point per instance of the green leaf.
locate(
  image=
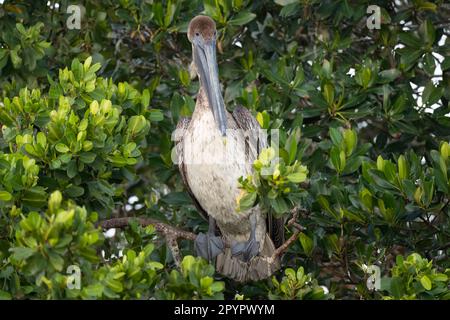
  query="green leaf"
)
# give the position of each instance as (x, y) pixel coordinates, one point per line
(5, 195)
(279, 205)
(389, 75)
(22, 253)
(292, 145)
(87, 63)
(217, 286)
(170, 12)
(177, 199)
(366, 198)
(31, 150)
(3, 294)
(184, 77)
(187, 263)
(426, 5)
(247, 201)
(41, 139)
(432, 94)
(397, 287)
(409, 57)
(72, 169)
(328, 93)
(242, 18)
(285, 2)
(380, 180)
(156, 115)
(428, 32)
(445, 150)
(263, 119)
(335, 155)
(136, 124)
(35, 197)
(410, 40)
(307, 243)
(115, 285)
(145, 99)
(206, 282)
(62, 148)
(444, 65)
(3, 58)
(380, 163)
(364, 77)
(350, 139)
(440, 277)
(56, 261)
(297, 177)
(74, 191)
(87, 157)
(402, 168)
(15, 59)
(336, 136)
(54, 201)
(94, 290)
(426, 282)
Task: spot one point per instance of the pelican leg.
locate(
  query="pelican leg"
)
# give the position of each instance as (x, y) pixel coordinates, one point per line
(247, 250)
(208, 245)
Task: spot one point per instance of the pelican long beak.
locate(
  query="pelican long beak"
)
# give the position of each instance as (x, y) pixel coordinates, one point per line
(206, 63)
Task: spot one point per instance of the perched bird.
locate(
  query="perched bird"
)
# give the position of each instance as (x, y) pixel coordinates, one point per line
(214, 148)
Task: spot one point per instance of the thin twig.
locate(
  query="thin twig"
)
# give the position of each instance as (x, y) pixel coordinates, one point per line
(281, 249)
(298, 228)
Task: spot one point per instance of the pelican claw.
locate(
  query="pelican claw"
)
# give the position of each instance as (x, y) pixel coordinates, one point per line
(208, 245)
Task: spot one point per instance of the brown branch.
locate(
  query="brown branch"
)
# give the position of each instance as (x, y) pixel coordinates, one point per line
(159, 226)
(170, 233)
(298, 228)
(281, 249)
(173, 245)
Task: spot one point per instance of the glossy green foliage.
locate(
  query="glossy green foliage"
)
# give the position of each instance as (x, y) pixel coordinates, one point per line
(22, 48)
(296, 285)
(195, 281)
(415, 278)
(274, 184)
(84, 134)
(47, 245)
(363, 128)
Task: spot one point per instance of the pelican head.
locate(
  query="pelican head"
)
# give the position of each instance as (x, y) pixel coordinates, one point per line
(202, 34)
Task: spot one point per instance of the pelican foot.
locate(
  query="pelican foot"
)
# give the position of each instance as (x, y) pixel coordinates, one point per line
(208, 245)
(248, 249)
(245, 250)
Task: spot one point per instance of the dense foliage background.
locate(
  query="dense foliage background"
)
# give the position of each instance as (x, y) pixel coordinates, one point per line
(87, 117)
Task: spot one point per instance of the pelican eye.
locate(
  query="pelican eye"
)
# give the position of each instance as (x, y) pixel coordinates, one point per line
(197, 34)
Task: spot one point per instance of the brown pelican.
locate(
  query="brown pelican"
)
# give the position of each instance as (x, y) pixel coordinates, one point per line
(214, 148)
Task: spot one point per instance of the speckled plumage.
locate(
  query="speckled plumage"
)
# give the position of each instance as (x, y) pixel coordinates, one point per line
(212, 166)
(214, 149)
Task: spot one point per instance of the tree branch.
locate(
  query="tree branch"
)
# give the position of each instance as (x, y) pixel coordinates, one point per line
(159, 226)
(170, 233)
(298, 228)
